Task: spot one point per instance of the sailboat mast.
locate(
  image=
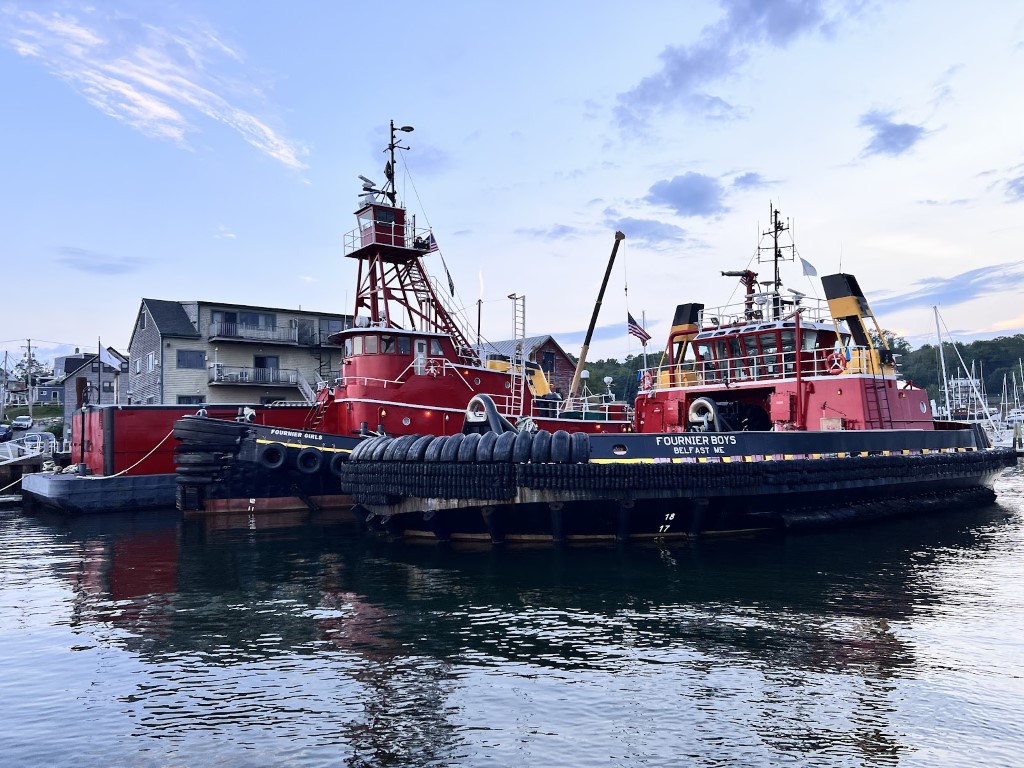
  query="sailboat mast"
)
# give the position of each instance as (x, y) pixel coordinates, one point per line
(942, 364)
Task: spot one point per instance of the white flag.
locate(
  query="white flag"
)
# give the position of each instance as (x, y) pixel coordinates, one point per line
(809, 270)
(108, 359)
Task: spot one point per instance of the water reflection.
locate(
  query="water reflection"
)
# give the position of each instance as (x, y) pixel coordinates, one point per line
(374, 652)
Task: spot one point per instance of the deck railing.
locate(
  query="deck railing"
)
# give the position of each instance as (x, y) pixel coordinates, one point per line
(236, 374)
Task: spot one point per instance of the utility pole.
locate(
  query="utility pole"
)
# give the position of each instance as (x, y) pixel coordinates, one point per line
(3, 390)
(28, 378)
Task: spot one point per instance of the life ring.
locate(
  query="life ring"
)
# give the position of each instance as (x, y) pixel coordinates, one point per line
(836, 362)
(646, 381)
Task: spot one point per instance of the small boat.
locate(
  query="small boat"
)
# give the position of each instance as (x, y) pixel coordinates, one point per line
(409, 369)
(774, 413)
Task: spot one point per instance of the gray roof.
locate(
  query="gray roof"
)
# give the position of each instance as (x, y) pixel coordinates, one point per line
(530, 345)
(170, 318)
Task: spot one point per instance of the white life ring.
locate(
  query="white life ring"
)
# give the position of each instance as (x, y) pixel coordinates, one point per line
(836, 362)
(646, 381)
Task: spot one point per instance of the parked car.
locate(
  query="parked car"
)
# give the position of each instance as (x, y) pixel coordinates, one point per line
(6, 432)
(41, 441)
(22, 422)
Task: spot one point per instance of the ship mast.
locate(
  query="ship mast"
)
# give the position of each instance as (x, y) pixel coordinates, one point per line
(777, 255)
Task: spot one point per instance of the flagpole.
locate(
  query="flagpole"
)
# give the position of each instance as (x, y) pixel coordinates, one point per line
(643, 319)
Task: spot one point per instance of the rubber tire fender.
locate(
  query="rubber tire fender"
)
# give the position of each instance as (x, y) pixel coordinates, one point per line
(560, 441)
(271, 455)
(485, 448)
(337, 462)
(364, 448)
(504, 446)
(418, 450)
(522, 446)
(309, 460)
(579, 448)
(379, 448)
(451, 448)
(436, 448)
(396, 451)
(540, 451)
(468, 446)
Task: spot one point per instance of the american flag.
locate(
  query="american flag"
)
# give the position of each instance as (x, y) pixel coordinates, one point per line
(637, 330)
(431, 243)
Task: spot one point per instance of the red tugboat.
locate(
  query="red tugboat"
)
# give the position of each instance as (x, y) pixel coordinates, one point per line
(775, 412)
(409, 369)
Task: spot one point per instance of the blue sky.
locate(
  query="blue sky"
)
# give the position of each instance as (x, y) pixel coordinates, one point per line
(211, 151)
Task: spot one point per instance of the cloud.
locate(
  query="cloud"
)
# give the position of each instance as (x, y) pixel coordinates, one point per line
(948, 291)
(223, 233)
(750, 180)
(722, 49)
(957, 201)
(1015, 188)
(649, 232)
(692, 194)
(554, 232)
(889, 138)
(98, 263)
(159, 81)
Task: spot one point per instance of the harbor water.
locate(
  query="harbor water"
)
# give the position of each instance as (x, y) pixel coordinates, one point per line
(293, 639)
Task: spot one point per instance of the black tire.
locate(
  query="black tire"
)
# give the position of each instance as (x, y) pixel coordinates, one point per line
(191, 446)
(467, 449)
(579, 448)
(451, 449)
(364, 448)
(309, 460)
(560, 447)
(379, 448)
(396, 451)
(522, 446)
(337, 462)
(190, 480)
(418, 450)
(503, 447)
(435, 449)
(271, 455)
(540, 452)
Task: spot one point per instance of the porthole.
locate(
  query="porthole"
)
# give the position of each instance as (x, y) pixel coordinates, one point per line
(406, 421)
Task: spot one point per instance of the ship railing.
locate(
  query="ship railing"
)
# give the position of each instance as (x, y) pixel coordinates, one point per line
(381, 233)
(764, 366)
(763, 309)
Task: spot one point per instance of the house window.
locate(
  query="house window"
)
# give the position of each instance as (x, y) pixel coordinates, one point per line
(150, 361)
(124, 367)
(258, 320)
(138, 366)
(190, 400)
(95, 367)
(192, 358)
(149, 400)
(108, 386)
(547, 362)
(142, 321)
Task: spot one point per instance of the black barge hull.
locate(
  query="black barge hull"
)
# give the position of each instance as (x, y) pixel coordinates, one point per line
(592, 498)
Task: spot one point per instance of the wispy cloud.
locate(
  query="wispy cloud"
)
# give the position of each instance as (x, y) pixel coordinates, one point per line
(948, 291)
(1015, 189)
(554, 232)
(223, 233)
(160, 81)
(650, 232)
(688, 71)
(93, 262)
(750, 180)
(889, 137)
(692, 194)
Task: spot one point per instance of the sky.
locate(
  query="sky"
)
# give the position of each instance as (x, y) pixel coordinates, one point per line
(211, 151)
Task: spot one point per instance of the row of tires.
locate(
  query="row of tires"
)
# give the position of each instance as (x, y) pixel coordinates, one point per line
(308, 461)
(205, 434)
(541, 447)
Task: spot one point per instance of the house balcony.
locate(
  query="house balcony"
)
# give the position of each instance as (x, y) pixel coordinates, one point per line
(224, 331)
(234, 375)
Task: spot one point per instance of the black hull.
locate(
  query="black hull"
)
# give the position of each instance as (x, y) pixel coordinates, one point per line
(586, 501)
(225, 466)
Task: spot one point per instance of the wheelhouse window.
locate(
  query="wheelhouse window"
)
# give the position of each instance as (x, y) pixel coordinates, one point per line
(387, 344)
(357, 345)
(370, 345)
(435, 347)
(402, 345)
